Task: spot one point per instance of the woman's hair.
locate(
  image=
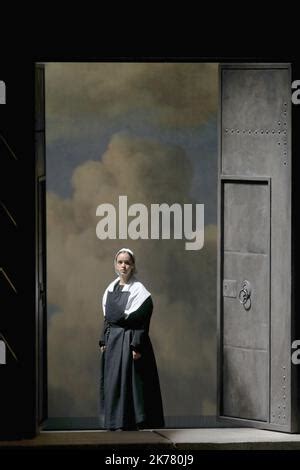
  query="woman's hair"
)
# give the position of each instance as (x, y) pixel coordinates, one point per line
(131, 254)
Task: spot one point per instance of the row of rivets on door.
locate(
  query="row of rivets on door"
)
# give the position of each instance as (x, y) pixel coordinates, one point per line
(281, 408)
(256, 131)
(267, 132)
(284, 141)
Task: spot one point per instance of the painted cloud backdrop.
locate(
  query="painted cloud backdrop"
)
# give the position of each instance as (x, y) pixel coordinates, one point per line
(148, 131)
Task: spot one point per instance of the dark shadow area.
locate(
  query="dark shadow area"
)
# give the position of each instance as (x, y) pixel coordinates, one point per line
(91, 423)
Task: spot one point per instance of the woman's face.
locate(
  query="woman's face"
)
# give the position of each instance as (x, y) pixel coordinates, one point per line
(124, 266)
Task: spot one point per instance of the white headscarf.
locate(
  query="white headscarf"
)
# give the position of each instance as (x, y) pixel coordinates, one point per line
(131, 254)
(128, 251)
(137, 291)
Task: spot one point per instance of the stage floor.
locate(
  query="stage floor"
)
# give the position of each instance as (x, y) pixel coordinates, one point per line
(167, 439)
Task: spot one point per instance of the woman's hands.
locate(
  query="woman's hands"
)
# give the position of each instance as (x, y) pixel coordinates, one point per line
(136, 355)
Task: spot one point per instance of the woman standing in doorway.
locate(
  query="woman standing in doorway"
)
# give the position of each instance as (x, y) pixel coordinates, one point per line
(130, 390)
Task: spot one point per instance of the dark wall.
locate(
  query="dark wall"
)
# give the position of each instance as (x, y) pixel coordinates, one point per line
(17, 251)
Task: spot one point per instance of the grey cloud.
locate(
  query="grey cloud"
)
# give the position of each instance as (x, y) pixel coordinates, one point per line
(80, 267)
(169, 94)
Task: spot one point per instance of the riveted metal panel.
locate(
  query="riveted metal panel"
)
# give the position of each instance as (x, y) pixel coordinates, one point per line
(255, 143)
(253, 98)
(230, 288)
(250, 155)
(247, 327)
(246, 383)
(246, 208)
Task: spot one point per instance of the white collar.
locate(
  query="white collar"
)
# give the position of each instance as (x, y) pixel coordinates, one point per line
(137, 294)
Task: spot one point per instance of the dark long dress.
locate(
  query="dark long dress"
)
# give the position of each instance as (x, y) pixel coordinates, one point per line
(130, 390)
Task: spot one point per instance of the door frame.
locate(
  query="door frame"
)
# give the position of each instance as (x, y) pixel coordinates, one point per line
(235, 421)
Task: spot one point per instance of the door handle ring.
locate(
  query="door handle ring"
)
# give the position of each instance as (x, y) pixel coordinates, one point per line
(245, 294)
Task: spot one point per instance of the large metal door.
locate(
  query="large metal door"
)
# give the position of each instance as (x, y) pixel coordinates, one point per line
(254, 295)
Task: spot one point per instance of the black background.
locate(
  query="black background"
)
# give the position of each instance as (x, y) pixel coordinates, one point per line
(17, 244)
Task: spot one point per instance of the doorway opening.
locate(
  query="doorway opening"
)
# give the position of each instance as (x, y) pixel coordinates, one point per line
(147, 131)
(172, 134)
